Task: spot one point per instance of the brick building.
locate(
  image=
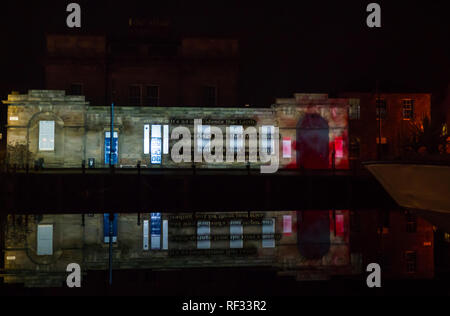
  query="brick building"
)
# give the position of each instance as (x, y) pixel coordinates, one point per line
(398, 112)
(144, 71)
(401, 242)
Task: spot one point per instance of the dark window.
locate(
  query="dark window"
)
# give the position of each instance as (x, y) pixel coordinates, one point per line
(209, 96)
(355, 149)
(411, 223)
(381, 108)
(355, 221)
(76, 89)
(411, 261)
(152, 96)
(134, 94)
(408, 109)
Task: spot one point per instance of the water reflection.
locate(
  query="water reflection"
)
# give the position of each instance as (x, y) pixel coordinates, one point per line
(307, 245)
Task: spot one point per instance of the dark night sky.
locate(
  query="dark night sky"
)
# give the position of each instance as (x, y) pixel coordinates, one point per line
(286, 46)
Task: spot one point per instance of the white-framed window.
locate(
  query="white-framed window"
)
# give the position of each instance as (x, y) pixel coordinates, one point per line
(155, 132)
(354, 111)
(268, 233)
(236, 234)
(408, 109)
(203, 235)
(47, 135)
(268, 143)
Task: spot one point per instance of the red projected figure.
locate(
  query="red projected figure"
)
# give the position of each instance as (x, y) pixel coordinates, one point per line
(312, 142)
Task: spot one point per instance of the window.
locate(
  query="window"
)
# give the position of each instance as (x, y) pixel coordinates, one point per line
(411, 261)
(355, 148)
(268, 233)
(381, 108)
(287, 147)
(134, 95)
(47, 135)
(165, 233)
(408, 109)
(210, 96)
(355, 221)
(411, 223)
(45, 240)
(236, 231)
(287, 225)
(155, 227)
(268, 142)
(152, 96)
(203, 231)
(145, 235)
(354, 110)
(166, 140)
(155, 155)
(115, 149)
(76, 89)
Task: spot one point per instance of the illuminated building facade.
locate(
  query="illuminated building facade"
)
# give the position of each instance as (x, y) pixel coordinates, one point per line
(62, 131)
(39, 248)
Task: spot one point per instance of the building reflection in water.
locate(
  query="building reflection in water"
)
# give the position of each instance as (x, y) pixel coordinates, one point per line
(307, 245)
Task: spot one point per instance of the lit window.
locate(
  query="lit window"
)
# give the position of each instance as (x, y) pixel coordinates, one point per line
(287, 224)
(408, 109)
(166, 140)
(268, 142)
(381, 108)
(155, 146)
(268, 233)
(47, 135)
(145, 235)
(155, 228)
(411, 261)
(165, 233)
(203, 238)
(115, 148)
(287, 147)
(152, 96)
(236, 231)
(45, 240)
(146, 139)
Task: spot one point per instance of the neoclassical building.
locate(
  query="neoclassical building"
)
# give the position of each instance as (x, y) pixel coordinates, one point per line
(63, 131)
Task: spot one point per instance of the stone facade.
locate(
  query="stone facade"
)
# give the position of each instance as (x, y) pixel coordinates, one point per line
(83, 243)
(80, 129)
